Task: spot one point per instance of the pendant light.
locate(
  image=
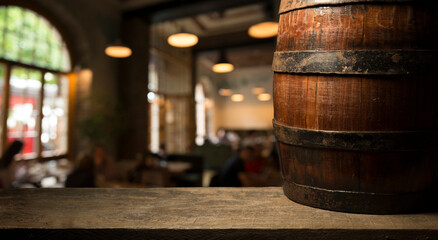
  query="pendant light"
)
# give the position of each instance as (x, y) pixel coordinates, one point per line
(182, 39)
(263, 97)
(225, 89)
(267, 28)
(258, 90)
(225, 92)
(222, 65)
(118, 50)
(237, 97)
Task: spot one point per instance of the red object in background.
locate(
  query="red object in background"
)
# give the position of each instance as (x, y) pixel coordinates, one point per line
(29, 134)
(255, 166)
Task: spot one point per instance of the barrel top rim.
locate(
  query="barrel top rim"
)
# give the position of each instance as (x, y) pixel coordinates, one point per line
(291, 5)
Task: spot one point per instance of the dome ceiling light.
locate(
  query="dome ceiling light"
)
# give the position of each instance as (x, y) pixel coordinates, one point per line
(225, 92)
(118, 50)
(263, 97)
(258, 90)
(222, 65)
(263, 30)
(237, 97)
(182, 40)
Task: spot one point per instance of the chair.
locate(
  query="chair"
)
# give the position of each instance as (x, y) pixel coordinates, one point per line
(193, 176)
(215, 156)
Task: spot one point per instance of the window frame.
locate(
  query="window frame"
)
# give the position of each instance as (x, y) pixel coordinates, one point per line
(8, 65)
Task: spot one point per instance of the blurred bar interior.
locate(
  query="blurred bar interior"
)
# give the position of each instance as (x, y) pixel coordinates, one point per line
(137, 93)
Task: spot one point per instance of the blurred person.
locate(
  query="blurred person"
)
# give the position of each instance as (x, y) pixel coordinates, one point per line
(162, 153)
(229, 176)
(6, 163)
(254, 138)
(269, 176)
(234, 139)
(251, 138)
(257, 163)
(83, 174)
(222, 136)
(103, 166)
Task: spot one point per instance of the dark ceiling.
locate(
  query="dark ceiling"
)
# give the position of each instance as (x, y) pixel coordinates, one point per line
(220, 24)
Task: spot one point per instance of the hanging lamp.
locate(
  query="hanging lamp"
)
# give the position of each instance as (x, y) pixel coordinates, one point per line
(237, 97)
(258, 90)
(265, 29)
(118, 50)
(222, 65)
(225, 92)
(263, 97)
(182, 39)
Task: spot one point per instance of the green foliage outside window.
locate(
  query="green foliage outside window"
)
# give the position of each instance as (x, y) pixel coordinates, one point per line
(28, 38)
(24, 73)
(1, 76)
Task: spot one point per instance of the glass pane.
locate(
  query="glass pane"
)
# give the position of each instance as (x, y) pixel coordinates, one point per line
(28, 37)
(2, 28)
(11, 46)
(55, 37)
(65, 65)
(55, 58)
(2, 53)
(2, 72)
(25, 89)
(55, 115)
(14, 18)
(27, 50)
(41, 57)
(30, 22)
(2, 17)
(43, 31)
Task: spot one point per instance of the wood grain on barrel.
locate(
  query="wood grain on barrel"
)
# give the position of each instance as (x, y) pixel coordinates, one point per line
(191, 213)
(370, 103)
(346, 103)
(358, 27)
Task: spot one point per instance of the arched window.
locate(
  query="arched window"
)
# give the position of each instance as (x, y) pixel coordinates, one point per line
(34, 84)
(28, 38)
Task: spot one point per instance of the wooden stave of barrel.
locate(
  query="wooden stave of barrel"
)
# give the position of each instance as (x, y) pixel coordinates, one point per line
(355, 109)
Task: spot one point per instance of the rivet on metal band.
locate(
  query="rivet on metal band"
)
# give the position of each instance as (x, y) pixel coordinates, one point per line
(290, 5)
(364, 62)
(355, 141)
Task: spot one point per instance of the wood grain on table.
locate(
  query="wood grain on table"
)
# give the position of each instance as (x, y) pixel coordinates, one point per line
(191, 213)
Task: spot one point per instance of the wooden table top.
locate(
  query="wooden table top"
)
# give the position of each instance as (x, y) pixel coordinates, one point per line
(195, 210)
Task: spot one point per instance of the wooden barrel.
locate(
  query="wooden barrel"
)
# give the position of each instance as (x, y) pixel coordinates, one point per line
(355, 103)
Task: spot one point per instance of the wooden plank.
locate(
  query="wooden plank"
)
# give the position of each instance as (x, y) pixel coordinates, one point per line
(191, 213)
